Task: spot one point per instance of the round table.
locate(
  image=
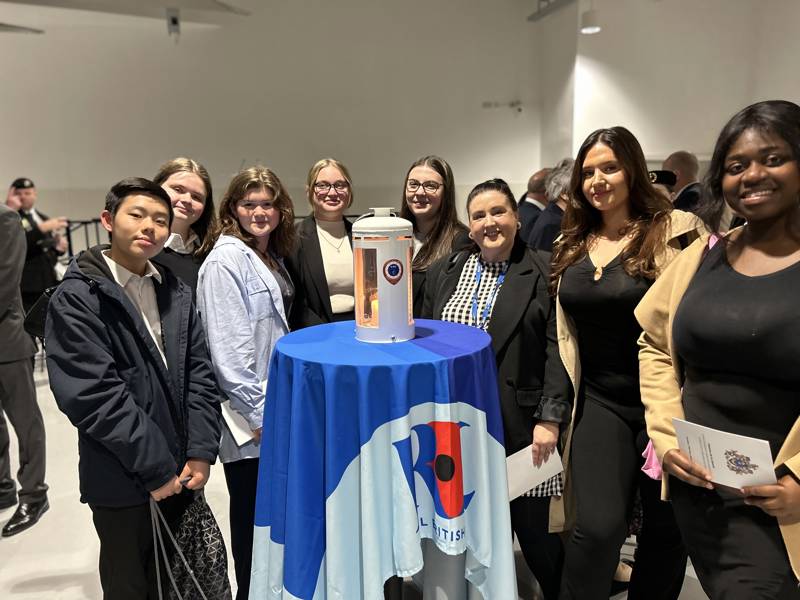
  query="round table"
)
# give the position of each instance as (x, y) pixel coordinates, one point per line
(369, 448)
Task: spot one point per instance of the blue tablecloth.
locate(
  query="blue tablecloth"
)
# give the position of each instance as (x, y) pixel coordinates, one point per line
(367, 449)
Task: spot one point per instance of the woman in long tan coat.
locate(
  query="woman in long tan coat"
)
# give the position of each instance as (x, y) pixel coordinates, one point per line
(721, 347)
(618, 233)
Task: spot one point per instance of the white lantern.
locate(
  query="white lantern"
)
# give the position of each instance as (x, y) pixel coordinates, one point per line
(382, 250)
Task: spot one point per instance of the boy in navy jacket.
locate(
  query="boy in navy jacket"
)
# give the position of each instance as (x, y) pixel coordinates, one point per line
(129, 366)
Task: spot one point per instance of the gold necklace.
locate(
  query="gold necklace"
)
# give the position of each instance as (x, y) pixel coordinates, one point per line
(325, 236)
(598, 270)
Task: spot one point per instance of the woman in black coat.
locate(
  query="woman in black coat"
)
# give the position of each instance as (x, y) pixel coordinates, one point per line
(322, 264)
(500, 286)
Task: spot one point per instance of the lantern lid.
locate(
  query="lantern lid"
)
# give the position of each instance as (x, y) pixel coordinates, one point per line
(382, 221)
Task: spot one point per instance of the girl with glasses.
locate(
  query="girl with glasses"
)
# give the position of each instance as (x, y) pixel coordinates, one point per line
(429, 202)
(322, 264)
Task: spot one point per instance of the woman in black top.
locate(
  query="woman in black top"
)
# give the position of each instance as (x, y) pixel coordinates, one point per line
(322, 265)
(736, 340)
(500, 286)
(429, 202)
(189, 187)
(617, 234)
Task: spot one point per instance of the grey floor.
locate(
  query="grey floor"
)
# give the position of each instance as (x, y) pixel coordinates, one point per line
(57, 559)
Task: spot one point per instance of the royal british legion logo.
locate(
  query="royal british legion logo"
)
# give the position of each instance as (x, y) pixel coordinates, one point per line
(439, 464)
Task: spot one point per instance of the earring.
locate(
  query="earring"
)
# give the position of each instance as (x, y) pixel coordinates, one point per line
(469, 235)
(519, 225)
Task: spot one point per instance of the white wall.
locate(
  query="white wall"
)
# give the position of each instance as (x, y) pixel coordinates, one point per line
(556, 49)
(375, 84)
(674, 71)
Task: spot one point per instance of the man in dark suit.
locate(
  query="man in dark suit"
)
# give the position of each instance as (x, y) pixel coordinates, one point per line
(533, 203)
(687, 188)
(17, 391)
(44, 242)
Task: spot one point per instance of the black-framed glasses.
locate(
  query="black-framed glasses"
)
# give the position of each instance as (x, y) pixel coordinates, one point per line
(323, 187)
(431, 187)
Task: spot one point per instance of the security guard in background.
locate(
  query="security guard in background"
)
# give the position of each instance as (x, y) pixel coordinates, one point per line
(44, 242)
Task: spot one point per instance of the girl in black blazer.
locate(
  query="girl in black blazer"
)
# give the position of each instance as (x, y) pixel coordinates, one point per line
(500, 286)
(429, 202)
(322, 265)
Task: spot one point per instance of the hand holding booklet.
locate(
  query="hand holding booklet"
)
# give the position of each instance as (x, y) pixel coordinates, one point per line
(733, 460)
(524, 476)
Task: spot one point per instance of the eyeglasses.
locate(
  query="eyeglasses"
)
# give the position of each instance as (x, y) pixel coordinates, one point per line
(323, 187)
(431, 187)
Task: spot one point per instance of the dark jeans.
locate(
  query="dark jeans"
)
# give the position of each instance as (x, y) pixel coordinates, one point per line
(241, 477)
(737, 551)
(543, 551)
(18, 402)
(606, 461)
(127, 552)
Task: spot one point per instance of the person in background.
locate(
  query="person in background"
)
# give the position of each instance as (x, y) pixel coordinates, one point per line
(44, 241)
(322, 263)
(548, 226)
(663, 182)
(17, 390)
(533, 202)
(189, 187)
(618, 235)
(244, 294)
(720, 347)
(429, 202)
(686, 188)
(128, 365)
(500, 286)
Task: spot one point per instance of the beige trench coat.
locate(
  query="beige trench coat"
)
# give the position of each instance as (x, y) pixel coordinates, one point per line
(562, 508)
(661, 376)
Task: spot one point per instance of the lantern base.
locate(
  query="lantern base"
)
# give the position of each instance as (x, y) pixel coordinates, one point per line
(381, 336)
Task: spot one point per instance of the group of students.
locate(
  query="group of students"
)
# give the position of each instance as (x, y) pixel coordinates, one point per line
(642, 313)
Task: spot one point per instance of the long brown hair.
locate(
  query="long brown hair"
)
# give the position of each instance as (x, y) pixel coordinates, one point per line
(439, 240)
(281, 241)
(649, 210)
(207, 219)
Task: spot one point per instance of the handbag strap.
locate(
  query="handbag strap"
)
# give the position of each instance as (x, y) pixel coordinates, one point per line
(158, 538)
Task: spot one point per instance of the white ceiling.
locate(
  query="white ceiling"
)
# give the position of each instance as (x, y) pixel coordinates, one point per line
(51, 14)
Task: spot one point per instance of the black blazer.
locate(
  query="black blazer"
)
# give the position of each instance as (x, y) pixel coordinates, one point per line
(689, 198)
(312, 303)
(40, 258)
(418, 277)
(534, 386)
(16, 344)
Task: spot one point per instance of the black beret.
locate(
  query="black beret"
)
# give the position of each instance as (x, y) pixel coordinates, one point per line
(23, 183)
(663, 177)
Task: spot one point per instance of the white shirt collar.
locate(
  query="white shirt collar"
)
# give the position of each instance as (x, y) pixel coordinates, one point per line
(122, 275)
(175, 242)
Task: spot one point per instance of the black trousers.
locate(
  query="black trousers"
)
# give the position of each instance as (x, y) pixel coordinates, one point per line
(737, 551)
(18, 402)
(606, 461)
(241, 477)
(543, 551)
(127, 552)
